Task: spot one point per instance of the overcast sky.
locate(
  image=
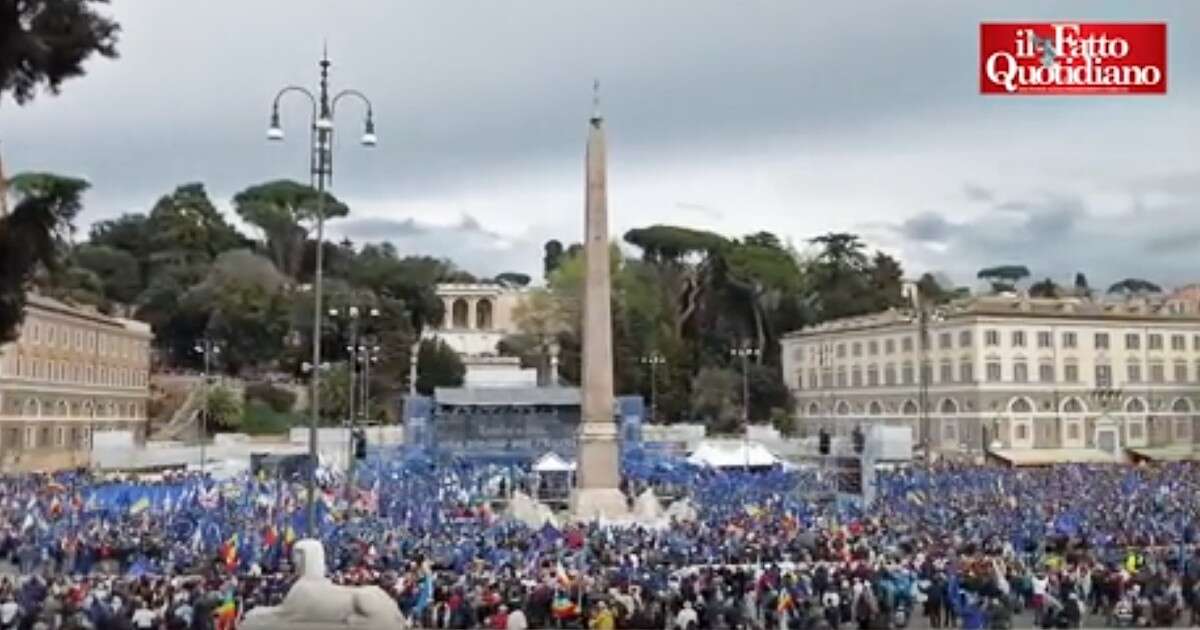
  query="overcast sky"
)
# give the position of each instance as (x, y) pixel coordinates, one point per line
(792, 116)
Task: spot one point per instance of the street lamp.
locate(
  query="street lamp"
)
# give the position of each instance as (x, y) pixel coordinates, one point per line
(353, 313)
(745, 351)
(208, 349)
(321, 173)
(653, 360)
(922, 317)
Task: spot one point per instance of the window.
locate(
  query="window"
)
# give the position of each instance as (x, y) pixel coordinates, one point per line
(889, 375)
(1178, 342)
(964, 339)
(1158, 373)
(1045, 339)
(813, 379)
(856, 349)
(1069, 340)
(856, 376)
(991, 337)
(841, 350)
(35, 333)
(1018, 338)
(872, 348)
(826, 378)
(966, 371)
(841, 377)
(1154, 341)
(993, 371)
(1046, 372)
(1103, 375)
(1071, 373)
(1181, 372)
(872, 376)
(1196, 343)
(1022, 432)
(947, 375)
(927, 372)
(1132, 341)
(889, 346)
(906, 344)
(945, 341)
(1020, 372)
(1135, 431)
(906, 373)
(1101, 341)
(60, 436)
(1133, 372)
(1072, 431)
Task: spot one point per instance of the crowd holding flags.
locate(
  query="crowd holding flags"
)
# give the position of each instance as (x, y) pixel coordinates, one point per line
(408, 506)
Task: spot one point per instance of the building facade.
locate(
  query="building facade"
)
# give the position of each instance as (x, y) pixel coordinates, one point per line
(1006, 373)
(477, 317)
(70, 372)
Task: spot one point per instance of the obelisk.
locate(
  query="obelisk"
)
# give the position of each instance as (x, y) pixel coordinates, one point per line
(597, 482)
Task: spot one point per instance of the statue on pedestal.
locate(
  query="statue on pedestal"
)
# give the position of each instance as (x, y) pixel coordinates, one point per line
(316, 602)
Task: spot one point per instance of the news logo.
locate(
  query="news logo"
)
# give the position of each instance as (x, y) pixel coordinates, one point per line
(1073, 58)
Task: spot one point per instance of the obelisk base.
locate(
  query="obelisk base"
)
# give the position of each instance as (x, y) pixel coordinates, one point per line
(598, 479)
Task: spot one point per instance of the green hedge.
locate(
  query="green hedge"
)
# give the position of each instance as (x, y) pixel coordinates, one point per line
(279, 399)
(260, 419)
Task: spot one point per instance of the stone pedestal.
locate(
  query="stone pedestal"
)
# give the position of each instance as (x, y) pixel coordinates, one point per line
(598, 477)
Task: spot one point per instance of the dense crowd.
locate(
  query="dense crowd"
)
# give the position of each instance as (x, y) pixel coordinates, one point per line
(964, 547)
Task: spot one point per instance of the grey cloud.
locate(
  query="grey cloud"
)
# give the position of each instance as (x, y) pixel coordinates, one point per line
(1175, 242)
(1056, 236)
(926, 227)
(975, 192)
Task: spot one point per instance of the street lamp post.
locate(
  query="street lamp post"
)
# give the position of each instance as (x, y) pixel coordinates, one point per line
(745, 351)
(922, 318)
(367, 355)
(207, 348)
(321, 173)
(654, 360)
(353, 313)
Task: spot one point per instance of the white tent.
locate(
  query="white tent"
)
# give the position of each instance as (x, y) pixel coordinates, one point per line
(551, 462)
(742, 454)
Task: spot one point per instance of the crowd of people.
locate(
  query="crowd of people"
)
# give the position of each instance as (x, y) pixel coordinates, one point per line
(968, 547)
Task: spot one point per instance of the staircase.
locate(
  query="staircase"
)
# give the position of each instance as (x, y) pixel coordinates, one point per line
(183, 424)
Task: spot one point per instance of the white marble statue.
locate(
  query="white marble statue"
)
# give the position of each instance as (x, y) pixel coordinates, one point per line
(316, 602)
(524, 509)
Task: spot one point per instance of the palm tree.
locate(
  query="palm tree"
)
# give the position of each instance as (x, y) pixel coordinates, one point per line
(30, 237)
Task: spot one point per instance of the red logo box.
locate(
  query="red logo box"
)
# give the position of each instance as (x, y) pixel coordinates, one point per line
(1073, 58)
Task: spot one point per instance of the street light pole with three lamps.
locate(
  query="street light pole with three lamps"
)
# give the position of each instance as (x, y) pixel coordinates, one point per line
(653, 360)
(321, 172)
(208, 349)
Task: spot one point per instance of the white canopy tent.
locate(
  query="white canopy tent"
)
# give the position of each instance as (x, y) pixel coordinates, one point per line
(742, 454)
(551, 462)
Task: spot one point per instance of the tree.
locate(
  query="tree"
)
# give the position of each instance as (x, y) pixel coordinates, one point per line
(224, 410)
(513, 279)
(47, 42)
(245, 306)
(1134, 286)
(932, 291)
(30, 237)
(438, 366)
(685, 259)
(117, 271)
(714, 399)
(1081, 285)
(1044, 289)
(185, 228)
(845, 282)
(1003, 278)
(285, 211)
(552, 257)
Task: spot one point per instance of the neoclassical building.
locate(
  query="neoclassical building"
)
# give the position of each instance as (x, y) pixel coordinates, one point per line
(1011, 373)
(477, 317)
(71, 372)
